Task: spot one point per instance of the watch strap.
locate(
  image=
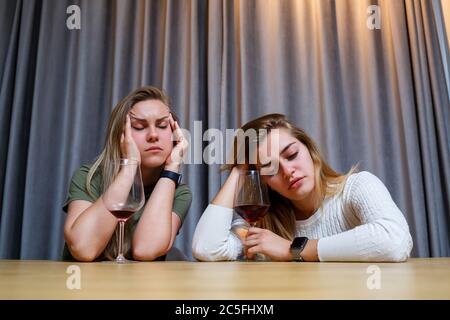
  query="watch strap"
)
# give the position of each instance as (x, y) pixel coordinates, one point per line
(174, 176)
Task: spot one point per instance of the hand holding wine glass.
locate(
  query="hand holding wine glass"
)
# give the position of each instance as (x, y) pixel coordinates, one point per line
(124, 197)
(251, 199)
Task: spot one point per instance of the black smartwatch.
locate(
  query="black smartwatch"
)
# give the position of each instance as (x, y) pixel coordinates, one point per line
(297, 247)
(175, 177)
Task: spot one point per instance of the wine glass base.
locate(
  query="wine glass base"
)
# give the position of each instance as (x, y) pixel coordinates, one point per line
(241, 257)
(259, 257)
(120, 260)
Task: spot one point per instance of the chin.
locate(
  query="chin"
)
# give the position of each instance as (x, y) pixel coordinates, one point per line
(299, 194)
(297, 197)
(153, 162)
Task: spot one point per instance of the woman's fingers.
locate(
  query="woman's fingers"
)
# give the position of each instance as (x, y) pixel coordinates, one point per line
(252, 236)
(252, 239)
(129, 148)
(128, 127)
(178, 132)
(253, 250)
(254, 230)
(174, 126)
(179, 137)
(251, 242)
(181, 144)
(122, 145)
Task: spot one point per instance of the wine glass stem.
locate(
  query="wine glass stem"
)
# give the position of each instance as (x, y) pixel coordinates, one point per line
(121, 236)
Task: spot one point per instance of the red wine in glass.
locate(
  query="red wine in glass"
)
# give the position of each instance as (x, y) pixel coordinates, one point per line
(123, 215)
(252, 213)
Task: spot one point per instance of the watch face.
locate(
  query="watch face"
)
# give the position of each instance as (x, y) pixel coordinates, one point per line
(297, 247)
(299, 242)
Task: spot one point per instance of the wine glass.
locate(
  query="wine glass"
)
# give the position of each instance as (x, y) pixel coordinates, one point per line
(240, 228)
(124, 197)
(251, 200)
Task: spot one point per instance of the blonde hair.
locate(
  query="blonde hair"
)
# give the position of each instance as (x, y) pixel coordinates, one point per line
(107, 162)
(328, 182)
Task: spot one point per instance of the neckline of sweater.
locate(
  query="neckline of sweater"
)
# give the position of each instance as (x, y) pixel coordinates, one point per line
(315, 216)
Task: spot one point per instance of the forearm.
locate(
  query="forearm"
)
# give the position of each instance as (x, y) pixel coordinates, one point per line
(153, 234)
(91, 231)
(382, 240)
(213, 240)
(277, 248)
(225, 196)
(310, 253)
(88, 234)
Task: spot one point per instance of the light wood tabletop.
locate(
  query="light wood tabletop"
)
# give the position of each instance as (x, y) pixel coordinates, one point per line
(415, 279)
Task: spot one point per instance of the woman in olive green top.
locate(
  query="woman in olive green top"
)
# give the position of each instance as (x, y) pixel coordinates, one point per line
(141, 128)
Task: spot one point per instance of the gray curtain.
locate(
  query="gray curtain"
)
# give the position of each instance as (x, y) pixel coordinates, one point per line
(374, 97)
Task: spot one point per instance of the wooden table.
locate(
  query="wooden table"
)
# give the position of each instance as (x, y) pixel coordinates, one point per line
(415, 279)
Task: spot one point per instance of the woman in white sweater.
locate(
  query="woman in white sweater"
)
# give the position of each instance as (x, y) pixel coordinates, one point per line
(316, 214)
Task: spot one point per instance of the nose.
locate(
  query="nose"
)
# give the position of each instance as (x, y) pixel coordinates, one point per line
(152, 135)
(287, 171)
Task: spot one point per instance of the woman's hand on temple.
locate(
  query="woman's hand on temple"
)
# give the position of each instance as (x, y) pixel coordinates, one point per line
(268, 243)
(128, 147)
(173, 162)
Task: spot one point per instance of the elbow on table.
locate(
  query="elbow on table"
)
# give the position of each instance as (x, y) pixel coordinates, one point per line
(200, 250)
(398, 256)
(143, 253)
(201, 254)
(209, 249)
(399, 251)
(80, 250)
(205, 253)
(83, 254)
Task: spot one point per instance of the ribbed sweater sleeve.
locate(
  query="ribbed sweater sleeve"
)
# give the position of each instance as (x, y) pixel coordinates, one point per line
(213, 239)
(382, 233)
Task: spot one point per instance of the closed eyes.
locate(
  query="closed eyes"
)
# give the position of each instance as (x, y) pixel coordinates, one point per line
(139, 128)
(292, 156)
(163, 125)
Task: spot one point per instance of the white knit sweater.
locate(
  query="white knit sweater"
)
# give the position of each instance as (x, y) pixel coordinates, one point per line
(362, 223)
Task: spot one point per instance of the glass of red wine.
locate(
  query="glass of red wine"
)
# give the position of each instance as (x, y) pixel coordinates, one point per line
(251, 200)
(124, 197)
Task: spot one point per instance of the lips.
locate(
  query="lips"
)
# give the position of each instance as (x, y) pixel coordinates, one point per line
(293, 183)
(153, 148)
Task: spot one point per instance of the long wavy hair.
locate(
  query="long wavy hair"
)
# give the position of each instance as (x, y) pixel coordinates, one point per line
(107, 163)
(328, 182)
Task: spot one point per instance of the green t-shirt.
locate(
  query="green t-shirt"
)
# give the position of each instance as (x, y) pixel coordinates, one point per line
(78, 191)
